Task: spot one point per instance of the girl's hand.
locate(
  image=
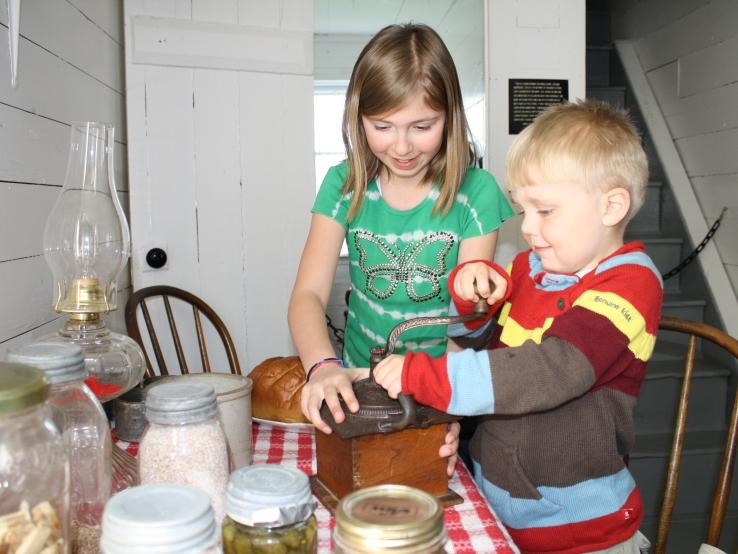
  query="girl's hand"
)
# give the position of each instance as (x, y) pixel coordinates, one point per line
(489, 284)
(450, 448)
(328, 383)
(388, 374)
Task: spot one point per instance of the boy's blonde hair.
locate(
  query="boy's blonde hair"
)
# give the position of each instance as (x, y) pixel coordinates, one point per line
(401, 61)
(588, 142)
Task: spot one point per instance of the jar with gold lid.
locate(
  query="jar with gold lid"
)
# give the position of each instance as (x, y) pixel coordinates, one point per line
(34, 469)
(389, 518)
(84, 428)
(269, 508)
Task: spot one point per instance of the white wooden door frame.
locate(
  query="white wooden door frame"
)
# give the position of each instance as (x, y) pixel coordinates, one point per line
(219, 98)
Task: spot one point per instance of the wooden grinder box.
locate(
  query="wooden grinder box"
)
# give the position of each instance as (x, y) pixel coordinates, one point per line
(407, 457)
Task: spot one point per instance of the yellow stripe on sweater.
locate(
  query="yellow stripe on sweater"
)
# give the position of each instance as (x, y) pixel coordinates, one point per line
(624, 316)
(514, 334)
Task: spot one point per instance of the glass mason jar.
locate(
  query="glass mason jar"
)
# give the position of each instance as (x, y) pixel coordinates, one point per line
(389, 518)
(85, 430)
(184, 442)
(269, 508)
(165, 519)
(34, 470)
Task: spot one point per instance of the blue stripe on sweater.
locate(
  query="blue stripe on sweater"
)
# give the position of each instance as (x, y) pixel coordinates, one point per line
(560, 505)
(635, 258)
(471, 383)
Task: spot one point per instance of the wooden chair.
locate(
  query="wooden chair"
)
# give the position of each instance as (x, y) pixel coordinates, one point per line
(140, 298)
(697, 330)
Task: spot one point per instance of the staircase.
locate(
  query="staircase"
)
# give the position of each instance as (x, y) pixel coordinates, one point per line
(659, 226)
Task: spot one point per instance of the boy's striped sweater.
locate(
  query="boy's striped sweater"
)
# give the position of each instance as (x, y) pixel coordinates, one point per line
(564, 366)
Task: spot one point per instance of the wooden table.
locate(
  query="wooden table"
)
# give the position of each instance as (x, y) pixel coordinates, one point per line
(472, 526)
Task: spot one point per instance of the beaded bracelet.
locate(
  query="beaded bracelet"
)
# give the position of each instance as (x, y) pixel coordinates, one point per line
(320, 362)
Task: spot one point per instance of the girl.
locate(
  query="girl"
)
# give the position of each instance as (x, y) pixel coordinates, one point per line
(410, 206)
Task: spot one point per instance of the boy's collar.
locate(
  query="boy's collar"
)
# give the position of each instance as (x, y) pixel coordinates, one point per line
(546, 280)
(549, 281)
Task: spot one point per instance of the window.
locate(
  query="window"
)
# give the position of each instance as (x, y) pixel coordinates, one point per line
(328, 101)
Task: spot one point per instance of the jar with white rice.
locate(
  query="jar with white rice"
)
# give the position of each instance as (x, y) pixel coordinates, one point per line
(184, 442)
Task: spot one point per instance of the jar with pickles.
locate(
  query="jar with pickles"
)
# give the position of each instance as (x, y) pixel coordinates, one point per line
(269, 510)
(34, 470)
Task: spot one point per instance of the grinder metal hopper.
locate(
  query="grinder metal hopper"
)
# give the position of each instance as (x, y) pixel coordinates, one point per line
(378, 413)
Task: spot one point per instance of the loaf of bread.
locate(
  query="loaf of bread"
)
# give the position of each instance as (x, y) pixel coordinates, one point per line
(277, 387)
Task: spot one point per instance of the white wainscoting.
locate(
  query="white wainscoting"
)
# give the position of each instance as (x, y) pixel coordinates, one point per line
(70, 68)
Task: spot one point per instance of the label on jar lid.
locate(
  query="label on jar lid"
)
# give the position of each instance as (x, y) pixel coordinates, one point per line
(390, 517)
(269, 495)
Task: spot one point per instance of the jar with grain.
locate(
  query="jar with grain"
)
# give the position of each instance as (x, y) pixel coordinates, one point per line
(34, 470)
(184, 442)
(85, 432)
(160, 519)
(269, 508)
(387, 519)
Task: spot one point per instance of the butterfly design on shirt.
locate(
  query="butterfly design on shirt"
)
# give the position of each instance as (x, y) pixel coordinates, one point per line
(386, 266)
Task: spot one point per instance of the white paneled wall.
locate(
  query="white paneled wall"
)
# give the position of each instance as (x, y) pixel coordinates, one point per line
(689, 51)
(529, 39)
(70, 68)
(220, 116)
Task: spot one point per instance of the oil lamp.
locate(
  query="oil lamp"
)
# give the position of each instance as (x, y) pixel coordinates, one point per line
(87, 244)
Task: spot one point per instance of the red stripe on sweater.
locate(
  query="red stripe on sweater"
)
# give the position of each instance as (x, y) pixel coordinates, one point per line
(606, 348)
(586, 536)
(426, 379)
(635, 283)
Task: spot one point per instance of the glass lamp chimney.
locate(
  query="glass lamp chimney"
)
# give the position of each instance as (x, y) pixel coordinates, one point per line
(86, 239)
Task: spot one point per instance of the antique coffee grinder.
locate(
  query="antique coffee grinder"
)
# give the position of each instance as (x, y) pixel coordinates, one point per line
(387, 440)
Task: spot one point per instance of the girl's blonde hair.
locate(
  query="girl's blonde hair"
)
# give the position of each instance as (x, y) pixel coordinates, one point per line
(588, 142)
(398, 62)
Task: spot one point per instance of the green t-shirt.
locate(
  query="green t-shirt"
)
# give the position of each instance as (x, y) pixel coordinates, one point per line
(399, 260)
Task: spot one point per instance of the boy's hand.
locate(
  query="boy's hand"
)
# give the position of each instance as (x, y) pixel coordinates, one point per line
(388, 374)
(328, 384)
(481, 275)
(450, 448)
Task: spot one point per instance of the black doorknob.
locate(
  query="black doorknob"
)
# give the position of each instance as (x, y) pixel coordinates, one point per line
(156, 258)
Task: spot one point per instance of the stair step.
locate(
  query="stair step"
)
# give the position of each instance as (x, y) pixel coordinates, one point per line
(648, 218)
(659, 396)
(666, 253)
(688, 532)
(685, 307)
(614, 96)
(701, 457)
(598, 27)
(597, 66)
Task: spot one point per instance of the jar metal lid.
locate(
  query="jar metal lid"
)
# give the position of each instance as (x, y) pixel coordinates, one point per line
(61, 361)
(21, 386)
(269, 495)
(180, 402)
(158, 519)
(390, 518)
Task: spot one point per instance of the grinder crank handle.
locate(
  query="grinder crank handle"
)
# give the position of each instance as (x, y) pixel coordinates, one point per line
(481, 308)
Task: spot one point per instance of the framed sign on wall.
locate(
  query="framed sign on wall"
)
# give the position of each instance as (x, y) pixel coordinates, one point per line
(528, 97)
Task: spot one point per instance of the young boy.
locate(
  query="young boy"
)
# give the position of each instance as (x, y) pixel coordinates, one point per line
(567, 353)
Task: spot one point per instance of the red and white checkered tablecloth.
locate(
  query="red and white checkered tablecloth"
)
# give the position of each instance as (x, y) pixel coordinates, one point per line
(472, 526)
